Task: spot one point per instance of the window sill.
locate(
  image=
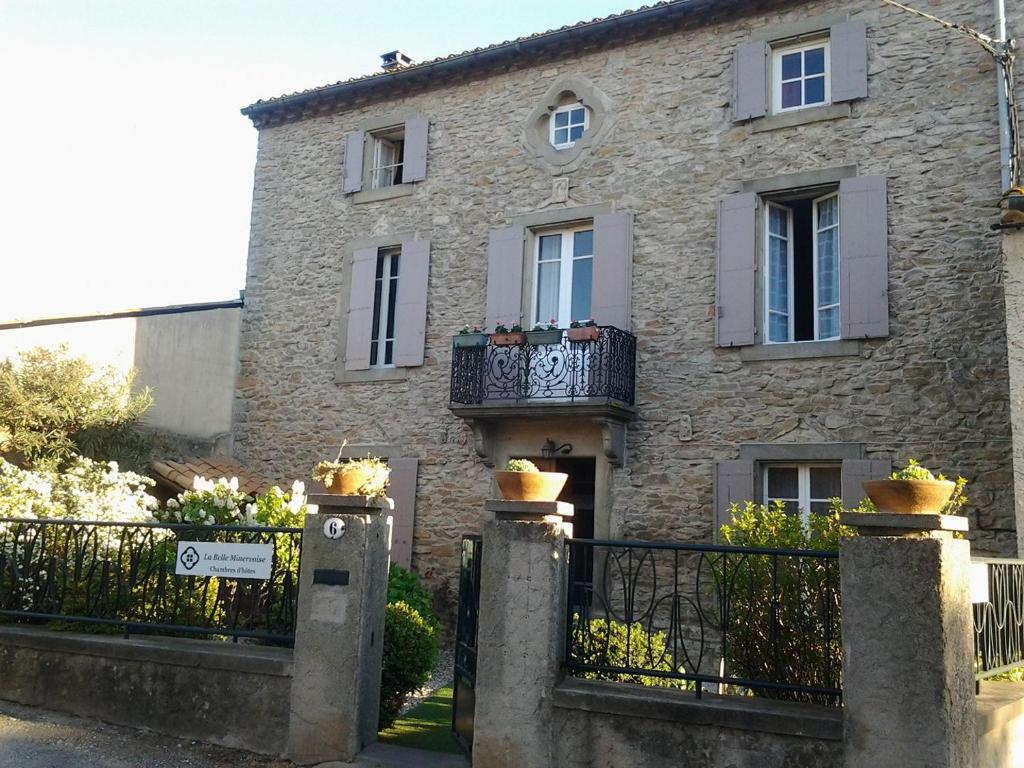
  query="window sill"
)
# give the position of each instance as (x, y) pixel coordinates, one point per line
(386, 193)
(799, 350)
(344, 376)
(801, 117)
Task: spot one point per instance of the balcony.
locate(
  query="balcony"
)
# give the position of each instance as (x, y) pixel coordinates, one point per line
(546, 377)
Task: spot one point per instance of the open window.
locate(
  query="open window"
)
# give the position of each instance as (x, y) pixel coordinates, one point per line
(388, 157)
(384, 159)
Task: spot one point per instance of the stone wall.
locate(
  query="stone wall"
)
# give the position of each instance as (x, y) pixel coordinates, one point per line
(935, 389)
(232, 695)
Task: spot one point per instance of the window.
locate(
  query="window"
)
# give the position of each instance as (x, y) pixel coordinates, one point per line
(563, 275)
(388, 158)
(801, 284)
(802, 488)
(385, 300)
(800, 76)
(567, 125)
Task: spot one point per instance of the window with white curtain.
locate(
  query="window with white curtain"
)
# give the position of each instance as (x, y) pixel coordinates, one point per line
(801, 268)
(803, 489)
(563, 275)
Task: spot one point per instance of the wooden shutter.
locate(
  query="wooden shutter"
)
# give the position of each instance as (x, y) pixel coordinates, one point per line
(734, 484)
(750, 81)
(411, 312)
(856, 472)
(403, 519)
(504, 277)
(736, 271)
(613, 270)
(863, 258)
(849, 54)
(353, 177)
(360, 309)
(415, 163)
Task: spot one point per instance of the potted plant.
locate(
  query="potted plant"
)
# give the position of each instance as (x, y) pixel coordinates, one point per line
(583, 330)
(522, 481)
(368, 476)
(474, 337)
(544, 334)
(911, 490)
(508, 337)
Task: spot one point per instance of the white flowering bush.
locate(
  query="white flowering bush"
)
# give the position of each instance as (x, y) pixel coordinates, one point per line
(24, 493)
(279, 508)
(219, 502)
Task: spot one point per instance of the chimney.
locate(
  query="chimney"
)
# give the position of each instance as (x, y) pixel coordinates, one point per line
(395, 60)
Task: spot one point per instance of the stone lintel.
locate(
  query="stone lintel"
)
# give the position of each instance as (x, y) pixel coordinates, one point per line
(504, 509)
(335, 504)
(893, 524)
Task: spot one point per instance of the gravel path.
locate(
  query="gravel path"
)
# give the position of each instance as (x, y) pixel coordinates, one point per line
(37, 738)
(443, 674)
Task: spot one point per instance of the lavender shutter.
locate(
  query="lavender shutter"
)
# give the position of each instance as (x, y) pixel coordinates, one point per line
(403, 519)
(863, 258)
(411, 312)
(504, 277)
(734, 484)
(613, 270)
(750, 81)
(856, 472)
(415, 163)
(353, 177)
(360, 309)
(737, 267)
(849, 53)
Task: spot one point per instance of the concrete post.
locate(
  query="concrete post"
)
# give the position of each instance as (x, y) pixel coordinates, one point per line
(343, 584)
(520, 638)
(1013, 290)
(908, 673)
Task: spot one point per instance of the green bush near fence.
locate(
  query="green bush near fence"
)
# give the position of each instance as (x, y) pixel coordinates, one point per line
(608, 643)
(410, 653)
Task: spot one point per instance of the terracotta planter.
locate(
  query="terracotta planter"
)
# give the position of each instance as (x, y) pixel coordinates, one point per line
(909, 496)
(537, 338)
(471, 340)
(530, 486)
(586, 333)
(508, 339)
(348, 480)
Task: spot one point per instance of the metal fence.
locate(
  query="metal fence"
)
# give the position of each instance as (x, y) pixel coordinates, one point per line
(710, 618)
(603, 368)
(999, 621)
(122, 575)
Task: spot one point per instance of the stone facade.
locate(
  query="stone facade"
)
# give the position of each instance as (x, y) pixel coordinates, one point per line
(935, 389)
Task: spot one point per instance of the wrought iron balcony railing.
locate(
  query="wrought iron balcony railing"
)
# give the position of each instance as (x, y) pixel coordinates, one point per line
(560, 369)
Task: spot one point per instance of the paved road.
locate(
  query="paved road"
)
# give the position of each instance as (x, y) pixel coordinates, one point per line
(35, 738)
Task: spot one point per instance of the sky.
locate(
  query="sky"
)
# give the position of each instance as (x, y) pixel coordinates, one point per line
(125, 166)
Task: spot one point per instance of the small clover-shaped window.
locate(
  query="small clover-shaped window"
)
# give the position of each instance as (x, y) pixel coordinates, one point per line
(571, 117)
(568, 124)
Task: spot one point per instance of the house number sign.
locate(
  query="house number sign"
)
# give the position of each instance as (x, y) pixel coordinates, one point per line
(334, 528)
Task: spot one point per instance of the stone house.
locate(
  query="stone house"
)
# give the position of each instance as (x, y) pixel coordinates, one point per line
(779, 210)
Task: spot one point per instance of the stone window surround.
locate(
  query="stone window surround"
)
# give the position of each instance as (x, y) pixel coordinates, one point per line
(795, 453)
(795, 350)
(369, 125)
(341, 375)
(781, 34)
(537, 138)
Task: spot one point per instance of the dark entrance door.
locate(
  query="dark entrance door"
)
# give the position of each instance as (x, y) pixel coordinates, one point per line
(578, 491)
(464, 689)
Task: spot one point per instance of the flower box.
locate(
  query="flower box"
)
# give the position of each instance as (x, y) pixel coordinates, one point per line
(512, 339)
(536, 338)
(471, 340)
(584, 333)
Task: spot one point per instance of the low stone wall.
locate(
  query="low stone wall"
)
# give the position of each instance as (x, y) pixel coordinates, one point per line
(1001, 725)
(222, 693)
(607, 725)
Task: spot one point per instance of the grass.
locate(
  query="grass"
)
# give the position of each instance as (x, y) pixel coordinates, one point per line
(427, 726)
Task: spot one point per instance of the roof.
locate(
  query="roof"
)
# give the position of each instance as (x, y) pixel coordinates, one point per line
(172, 309)
(615, 28)
(178, 475)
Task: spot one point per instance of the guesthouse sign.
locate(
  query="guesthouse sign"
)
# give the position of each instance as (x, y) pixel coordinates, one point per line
(231, 561)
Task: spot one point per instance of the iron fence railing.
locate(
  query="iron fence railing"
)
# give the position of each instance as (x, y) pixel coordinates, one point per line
(122, 575)
(602, 368)
(999, 621)
(706, 618)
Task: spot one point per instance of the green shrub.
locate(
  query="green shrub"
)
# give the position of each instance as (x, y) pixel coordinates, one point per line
(410, 653)
(404, 587)
(604, 642)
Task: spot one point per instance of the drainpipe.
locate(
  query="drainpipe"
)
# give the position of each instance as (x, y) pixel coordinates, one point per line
(1001, 44)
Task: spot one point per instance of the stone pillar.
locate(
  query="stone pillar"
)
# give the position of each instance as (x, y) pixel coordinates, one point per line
(521, 633)
(343, 585)
(908, 673)
(1013, 286)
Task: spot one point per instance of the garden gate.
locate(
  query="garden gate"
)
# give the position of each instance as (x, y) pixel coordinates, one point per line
(464, 693)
